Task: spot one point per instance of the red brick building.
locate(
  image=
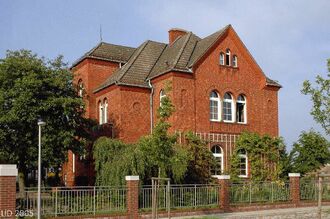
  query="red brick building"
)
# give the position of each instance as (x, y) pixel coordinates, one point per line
(218, 90)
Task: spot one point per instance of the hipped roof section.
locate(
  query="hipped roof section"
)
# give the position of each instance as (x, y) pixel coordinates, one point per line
(152, 59)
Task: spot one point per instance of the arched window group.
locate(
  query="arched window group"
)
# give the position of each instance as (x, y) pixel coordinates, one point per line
(103, 111)
(228, 108)
(227, 59)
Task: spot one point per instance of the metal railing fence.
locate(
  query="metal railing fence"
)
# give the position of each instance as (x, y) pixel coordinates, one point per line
(256, 192)
(76, 200)
(181, 196)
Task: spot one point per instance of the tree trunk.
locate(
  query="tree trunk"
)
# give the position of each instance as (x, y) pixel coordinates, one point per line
(21, 181)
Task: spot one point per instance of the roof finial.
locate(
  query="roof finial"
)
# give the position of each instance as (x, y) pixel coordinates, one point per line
(101, 33)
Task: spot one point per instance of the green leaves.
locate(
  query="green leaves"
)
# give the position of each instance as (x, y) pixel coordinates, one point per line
(320, 95)
(310, 152)
(32, 87)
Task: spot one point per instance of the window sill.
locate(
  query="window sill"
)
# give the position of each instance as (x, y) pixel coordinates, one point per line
(243, 176)
(228, 122)
(229, 67)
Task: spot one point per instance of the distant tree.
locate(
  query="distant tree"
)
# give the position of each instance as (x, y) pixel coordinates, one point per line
(266, 156)
(31, 87)
(320, 96)
(310, 152)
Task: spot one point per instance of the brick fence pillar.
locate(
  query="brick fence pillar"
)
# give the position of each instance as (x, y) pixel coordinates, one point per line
(8, 175)
(295, 188)
(224, 182)
(132, 198)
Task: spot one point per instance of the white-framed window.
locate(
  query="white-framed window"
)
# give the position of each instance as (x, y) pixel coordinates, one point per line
(235, 61)
(218, 155)
(80, 88)
(101, 113)
(228, 108)
(241, 109)
(105, 110)
(243, 163)
(222, 58)
(228, 57)
(214, 106)
(161, 96)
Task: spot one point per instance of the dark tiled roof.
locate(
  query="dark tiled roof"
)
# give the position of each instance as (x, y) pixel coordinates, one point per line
(108, 52)
(152, 59)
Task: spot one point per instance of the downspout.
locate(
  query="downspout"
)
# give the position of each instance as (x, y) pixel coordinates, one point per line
(151, 106)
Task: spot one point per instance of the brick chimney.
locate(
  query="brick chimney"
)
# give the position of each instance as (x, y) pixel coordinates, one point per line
(174, 33)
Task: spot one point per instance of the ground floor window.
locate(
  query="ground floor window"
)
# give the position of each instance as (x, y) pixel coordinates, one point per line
(218, 155)
(243, 163)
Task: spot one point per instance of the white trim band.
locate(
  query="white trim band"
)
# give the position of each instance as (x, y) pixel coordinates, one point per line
(294, 174)
(131, 178)
(221, 176)
(8, 170)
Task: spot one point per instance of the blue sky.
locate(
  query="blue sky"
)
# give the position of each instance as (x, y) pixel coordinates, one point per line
(290, 40)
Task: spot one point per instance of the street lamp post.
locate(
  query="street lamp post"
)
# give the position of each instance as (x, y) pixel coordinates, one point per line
(40, 123)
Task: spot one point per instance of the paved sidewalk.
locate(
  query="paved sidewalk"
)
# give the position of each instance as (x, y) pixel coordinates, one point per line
(289, 213)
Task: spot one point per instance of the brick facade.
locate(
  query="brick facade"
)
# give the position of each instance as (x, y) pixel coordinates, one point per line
(130, 105)
(8, 175)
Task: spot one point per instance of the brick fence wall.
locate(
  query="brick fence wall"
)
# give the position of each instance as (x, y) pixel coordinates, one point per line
(8, 175)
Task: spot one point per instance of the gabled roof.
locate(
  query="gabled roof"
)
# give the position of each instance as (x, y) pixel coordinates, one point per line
(152, 59)
(108, 52)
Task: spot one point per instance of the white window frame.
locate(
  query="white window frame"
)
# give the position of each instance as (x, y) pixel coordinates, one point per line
(101, 111)
(105, 111)
(245, 156)
(80, 88)
(161, 96)
(244, 109)
(231, 101)
(219, 155)
(222, 58)
(228, 57)
(216, 99)
(235, 64)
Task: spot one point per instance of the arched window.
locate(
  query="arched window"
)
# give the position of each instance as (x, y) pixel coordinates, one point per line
(105, 110)
(80, 88)
(235, 61)
(243, 163)
(222, 59)
(228, 57)
(101, 112)
(228, 109)
(241, 109)
(161, 96)
(218, 155)
(214, 106)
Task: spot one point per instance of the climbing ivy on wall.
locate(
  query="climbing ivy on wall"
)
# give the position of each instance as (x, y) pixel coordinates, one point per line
(266, 156)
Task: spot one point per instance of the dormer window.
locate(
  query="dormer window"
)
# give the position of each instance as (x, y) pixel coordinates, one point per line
(222, 58)
(235, 61)
(228, 57)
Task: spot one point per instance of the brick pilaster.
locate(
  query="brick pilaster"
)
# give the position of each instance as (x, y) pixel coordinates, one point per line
(224, 182)
(8, 175)
(295, 188)
(132, 198)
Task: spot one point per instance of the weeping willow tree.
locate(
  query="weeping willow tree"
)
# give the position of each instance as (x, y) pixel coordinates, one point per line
(155, 155)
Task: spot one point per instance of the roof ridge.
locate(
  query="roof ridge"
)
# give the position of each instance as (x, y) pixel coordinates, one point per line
(116, 45)
(166, 45)
(134, 59)
(182, 49)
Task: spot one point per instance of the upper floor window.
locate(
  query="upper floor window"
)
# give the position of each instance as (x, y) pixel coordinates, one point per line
(243, 163)
(241, 109)
(214, 106)
(228, 109)
(161, 96)
(222, 59)
(103, 111)
(218, 155)
(235, 61)
(228, 57)
(80, 88)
